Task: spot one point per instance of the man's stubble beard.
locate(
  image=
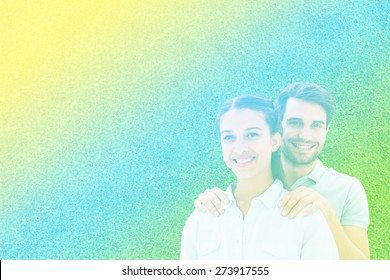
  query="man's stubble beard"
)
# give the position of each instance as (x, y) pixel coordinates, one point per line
(290, 157)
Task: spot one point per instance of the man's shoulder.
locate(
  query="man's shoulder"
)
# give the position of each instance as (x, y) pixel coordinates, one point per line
(338, 186)
(339, 177)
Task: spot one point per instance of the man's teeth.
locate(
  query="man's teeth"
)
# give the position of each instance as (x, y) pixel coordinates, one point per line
(243, 160)
(305, 147)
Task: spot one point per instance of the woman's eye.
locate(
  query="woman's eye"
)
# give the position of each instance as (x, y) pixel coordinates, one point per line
(228, 138)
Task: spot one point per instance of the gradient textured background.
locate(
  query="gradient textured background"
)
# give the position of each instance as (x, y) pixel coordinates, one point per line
(107, 112)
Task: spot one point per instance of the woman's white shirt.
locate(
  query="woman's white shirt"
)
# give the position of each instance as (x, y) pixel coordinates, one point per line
(262, 234)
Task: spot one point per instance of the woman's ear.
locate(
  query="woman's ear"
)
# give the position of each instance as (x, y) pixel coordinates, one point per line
(276, 141)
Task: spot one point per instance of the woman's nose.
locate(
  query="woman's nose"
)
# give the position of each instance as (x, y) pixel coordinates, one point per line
(241, 147)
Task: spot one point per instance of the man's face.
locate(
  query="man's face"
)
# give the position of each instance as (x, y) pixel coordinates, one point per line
(304, 131)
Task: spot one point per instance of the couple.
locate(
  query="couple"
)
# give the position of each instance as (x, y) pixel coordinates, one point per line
(258, 218)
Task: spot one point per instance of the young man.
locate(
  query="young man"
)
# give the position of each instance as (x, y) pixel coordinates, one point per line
(305, 111)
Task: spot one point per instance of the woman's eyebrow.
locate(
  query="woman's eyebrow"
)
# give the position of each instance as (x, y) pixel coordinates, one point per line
(252, 128)
(225, 131)
(246, 129)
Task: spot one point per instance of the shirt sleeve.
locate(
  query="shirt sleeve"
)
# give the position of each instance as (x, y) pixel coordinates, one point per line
(318, 241)
(355, 212)
(189, 238)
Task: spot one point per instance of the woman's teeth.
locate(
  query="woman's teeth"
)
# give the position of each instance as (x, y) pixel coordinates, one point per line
(241, 161)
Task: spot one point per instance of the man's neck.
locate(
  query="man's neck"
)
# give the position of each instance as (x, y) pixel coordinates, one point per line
(293, 172)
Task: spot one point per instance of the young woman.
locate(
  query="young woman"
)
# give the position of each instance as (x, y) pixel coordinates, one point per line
(252, 226)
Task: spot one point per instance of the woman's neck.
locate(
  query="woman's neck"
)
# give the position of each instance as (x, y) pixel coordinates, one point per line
(249, 188)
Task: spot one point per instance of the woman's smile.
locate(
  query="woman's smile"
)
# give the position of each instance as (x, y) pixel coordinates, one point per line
(244, 161)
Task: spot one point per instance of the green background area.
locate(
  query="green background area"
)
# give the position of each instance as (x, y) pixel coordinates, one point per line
(107, 112)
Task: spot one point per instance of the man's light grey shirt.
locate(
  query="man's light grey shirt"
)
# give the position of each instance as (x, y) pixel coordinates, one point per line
(345, 193)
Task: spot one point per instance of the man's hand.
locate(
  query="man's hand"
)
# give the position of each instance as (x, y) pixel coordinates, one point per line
(296, 200)
(351, 241)
(211, 200)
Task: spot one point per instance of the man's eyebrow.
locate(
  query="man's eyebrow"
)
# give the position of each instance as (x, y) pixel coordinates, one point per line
(225, 131)
(299, 119)
(294, 119)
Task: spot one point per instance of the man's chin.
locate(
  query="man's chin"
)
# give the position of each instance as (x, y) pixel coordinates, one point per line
(304, 160)
(301, 160)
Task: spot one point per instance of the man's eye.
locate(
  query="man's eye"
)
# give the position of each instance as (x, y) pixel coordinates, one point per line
(252, 135)
(228, 138)
(317, 125)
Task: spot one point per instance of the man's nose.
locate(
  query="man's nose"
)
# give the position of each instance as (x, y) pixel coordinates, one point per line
(305, 132)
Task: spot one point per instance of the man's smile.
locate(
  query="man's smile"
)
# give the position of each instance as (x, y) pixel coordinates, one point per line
(302, 145)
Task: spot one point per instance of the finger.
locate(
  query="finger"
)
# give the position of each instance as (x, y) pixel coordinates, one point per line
(291, 200)
(319, 204)
(215, 199)
(199, 205)
(289, 205)
(210, 207)
(221, 195)
(289, 196)
(285, 199)
(303, 187)
(302, 203)
(310, 210)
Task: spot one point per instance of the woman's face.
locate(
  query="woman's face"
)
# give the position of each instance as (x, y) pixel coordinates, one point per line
(247, 144)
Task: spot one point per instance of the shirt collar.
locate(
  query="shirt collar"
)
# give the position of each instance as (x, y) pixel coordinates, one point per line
(317, 171)
(268, 198)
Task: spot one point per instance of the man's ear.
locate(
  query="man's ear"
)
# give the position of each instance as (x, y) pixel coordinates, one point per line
(327, 128)
(276, 141)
